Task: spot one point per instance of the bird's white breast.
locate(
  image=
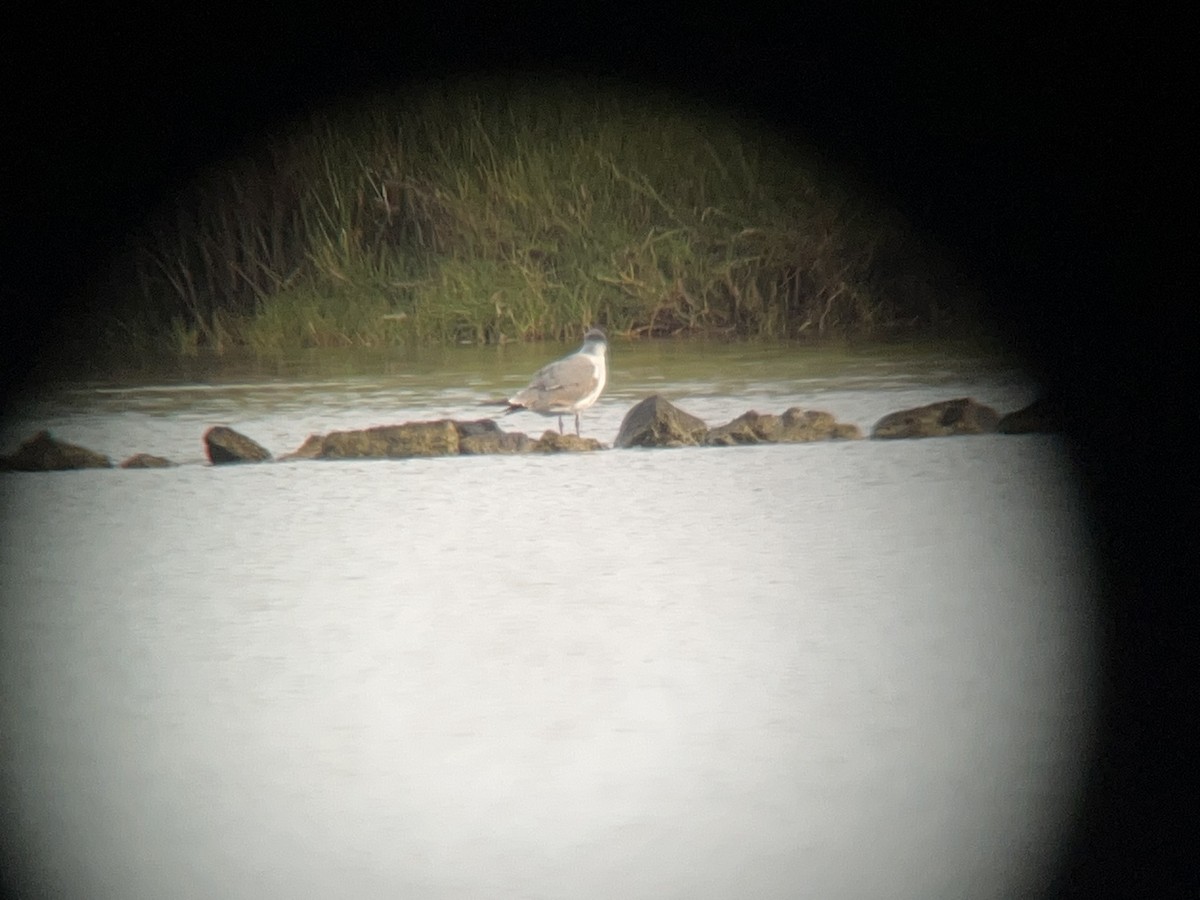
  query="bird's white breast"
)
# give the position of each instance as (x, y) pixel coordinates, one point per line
(601, 373)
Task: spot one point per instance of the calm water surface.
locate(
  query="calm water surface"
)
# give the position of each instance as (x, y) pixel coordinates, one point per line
(858, 669)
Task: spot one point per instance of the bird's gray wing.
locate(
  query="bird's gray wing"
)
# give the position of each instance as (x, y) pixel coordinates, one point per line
(562, 382)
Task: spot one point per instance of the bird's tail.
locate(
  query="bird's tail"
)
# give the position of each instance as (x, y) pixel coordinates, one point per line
(509, 407)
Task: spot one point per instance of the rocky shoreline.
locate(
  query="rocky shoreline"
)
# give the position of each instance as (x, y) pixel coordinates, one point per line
(653, 422)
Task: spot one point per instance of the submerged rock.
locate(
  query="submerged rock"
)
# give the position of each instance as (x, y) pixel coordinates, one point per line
(794, 426)
(444, 437)
(656, 422)
(1043, 416)
(748, 428)
(798, 426)
(411, 439)
(43, 453)
(553, 442)
(146, 461)
(483, 437)
(224, 446)
(477, 428)
(496, 442)
(948, 417)
(310, 449)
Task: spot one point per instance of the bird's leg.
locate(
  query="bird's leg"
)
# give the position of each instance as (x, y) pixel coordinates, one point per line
(560, 431)
(577, 434)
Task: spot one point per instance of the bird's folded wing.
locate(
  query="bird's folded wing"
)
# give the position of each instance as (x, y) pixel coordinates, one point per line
(570, 389)
(566, 374)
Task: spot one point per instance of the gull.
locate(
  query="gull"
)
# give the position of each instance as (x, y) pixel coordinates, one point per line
(567, 385)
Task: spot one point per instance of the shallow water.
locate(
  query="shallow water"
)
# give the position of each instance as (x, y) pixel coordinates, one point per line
(852, 669)
(280, 402)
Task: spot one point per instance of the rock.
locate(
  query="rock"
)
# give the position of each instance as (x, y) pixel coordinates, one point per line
(439, 438)
(963, 416)
(484, 436)
(443, 437)
(656, 422)
(846, 431)
(146, 461)
(310, 449)
(224, 446)
(1043, 416)
(799, 426)
(477, 428)
(553, 442)
(794, 426)
(496, 442)
(43, 453)
(748, 428)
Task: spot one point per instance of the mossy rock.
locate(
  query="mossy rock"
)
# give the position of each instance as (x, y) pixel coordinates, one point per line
(44, 453)
(657, 422)
(411, 439)
(942, 419)
(225, 446)
(553, 442)
(146, 461)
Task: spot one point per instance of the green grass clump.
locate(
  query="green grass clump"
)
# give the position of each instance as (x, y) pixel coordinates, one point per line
(487, 212)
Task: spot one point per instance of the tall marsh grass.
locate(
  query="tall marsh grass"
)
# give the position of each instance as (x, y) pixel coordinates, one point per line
(489, 212)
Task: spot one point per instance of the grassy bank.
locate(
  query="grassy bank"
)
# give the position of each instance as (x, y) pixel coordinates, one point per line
(489, 212)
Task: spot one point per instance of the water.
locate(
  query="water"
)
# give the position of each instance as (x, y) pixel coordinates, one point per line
(855, 669)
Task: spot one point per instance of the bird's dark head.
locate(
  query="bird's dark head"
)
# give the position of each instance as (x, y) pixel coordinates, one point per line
(595, 336)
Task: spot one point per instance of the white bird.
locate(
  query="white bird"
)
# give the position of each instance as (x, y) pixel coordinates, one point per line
(567, 385)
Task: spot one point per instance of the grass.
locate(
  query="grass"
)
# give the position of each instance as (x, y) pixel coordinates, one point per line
(492, 211)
